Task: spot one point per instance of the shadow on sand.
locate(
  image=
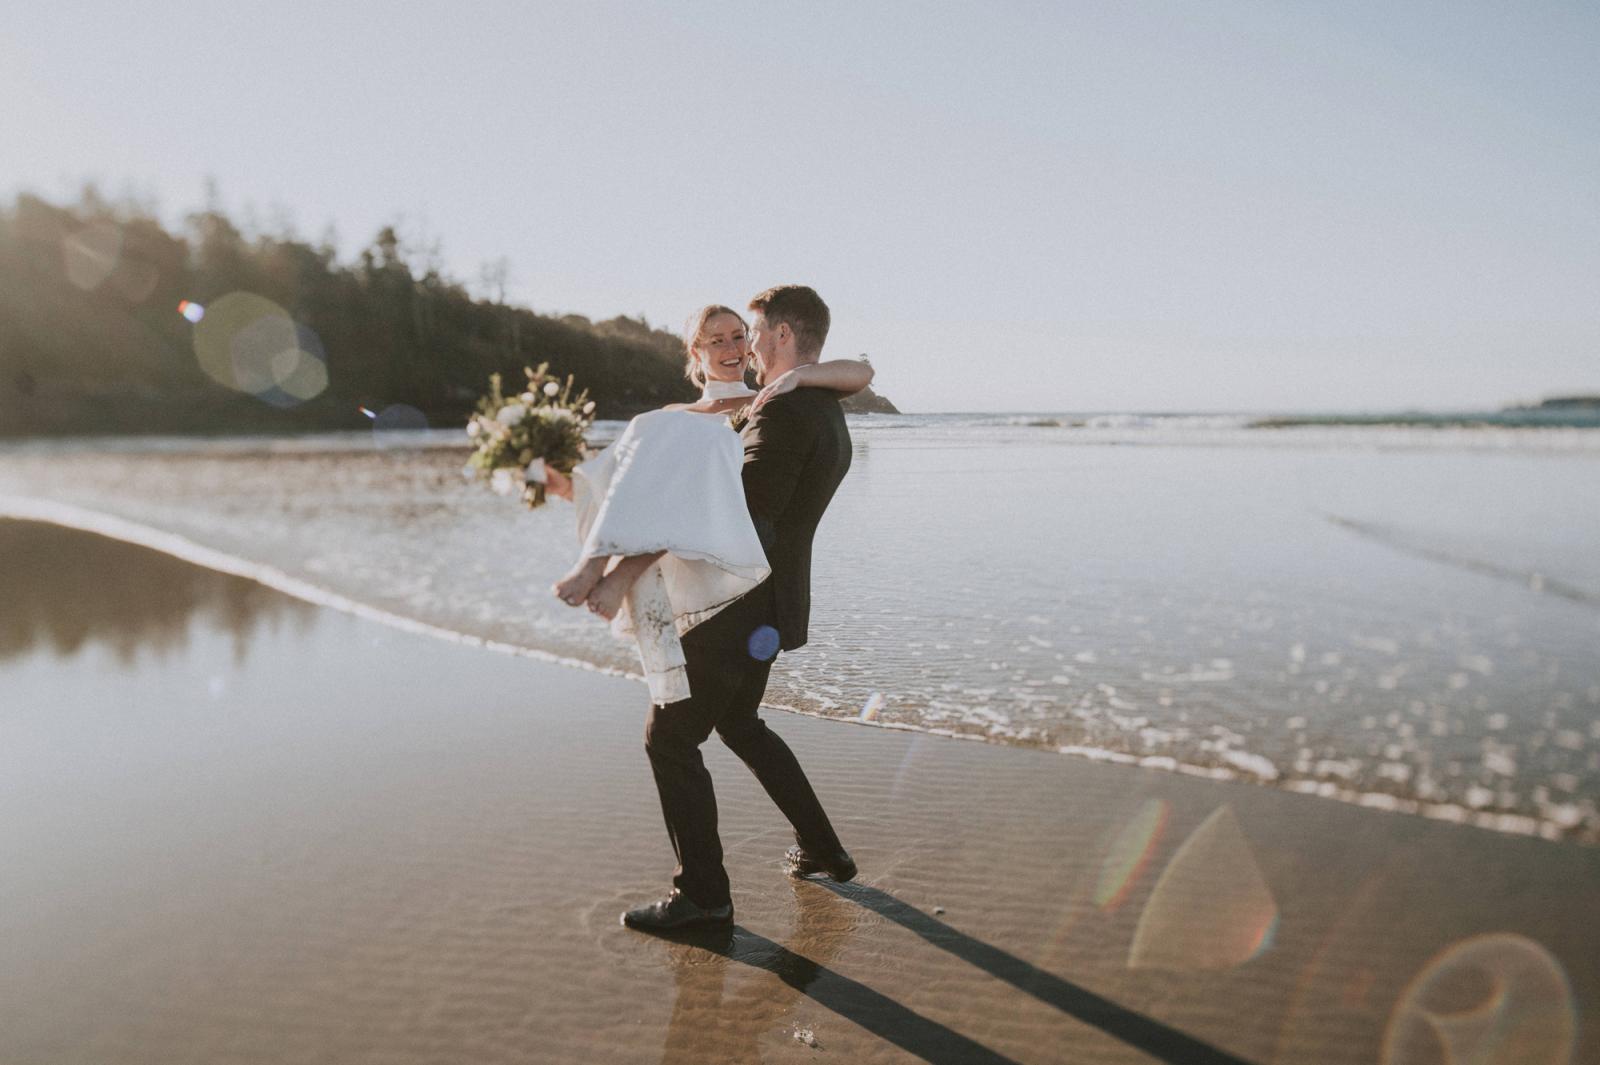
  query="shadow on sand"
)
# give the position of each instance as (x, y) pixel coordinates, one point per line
(802, 966)
(1160, 1041)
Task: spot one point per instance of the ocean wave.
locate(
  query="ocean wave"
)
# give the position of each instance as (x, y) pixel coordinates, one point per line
(1408, 543)
(1230, 430)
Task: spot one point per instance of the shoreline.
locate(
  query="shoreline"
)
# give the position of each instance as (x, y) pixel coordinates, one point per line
(84, 519)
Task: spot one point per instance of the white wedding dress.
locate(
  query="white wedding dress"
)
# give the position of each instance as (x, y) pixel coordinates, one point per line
(671, 482)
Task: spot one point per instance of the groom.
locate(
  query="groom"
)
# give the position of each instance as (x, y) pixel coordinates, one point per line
(796, 451)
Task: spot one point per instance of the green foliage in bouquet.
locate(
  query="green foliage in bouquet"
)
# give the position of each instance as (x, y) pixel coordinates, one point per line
(546, 421)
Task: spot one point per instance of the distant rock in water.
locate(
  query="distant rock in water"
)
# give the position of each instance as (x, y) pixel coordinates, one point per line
(867, 401)
(1565, 403)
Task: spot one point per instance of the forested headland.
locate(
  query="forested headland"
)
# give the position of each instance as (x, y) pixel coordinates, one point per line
(110, 323)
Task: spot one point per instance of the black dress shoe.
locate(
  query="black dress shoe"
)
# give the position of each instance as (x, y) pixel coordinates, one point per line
(838, 864)
(677, 910)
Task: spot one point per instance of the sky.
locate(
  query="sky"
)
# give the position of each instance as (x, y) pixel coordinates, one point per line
(1221, 206)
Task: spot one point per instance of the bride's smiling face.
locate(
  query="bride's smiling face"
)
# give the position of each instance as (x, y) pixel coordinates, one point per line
(723, 348)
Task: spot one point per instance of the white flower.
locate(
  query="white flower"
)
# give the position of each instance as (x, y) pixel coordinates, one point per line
(588, 408)
(503, 481)
(560, 414)
(551, 388)
(473, 429)
(527, 397)
(511, 414)
(535, 473)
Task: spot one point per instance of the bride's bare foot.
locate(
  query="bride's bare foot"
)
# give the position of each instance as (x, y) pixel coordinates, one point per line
(575, 587)
(606, 597)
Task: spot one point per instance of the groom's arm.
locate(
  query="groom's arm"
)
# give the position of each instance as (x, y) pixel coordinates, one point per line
(777, 443)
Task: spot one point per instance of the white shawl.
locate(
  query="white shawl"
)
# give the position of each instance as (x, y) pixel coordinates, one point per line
(671, 482)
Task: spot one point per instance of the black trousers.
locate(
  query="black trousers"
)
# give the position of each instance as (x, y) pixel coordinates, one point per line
(727, 683)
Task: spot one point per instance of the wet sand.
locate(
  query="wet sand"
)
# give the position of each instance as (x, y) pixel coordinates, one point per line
(290, 834)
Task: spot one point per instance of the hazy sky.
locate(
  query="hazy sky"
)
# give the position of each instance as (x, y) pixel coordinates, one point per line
(1054, 206)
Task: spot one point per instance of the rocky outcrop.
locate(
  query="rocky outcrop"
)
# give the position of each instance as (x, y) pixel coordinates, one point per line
(867, 401)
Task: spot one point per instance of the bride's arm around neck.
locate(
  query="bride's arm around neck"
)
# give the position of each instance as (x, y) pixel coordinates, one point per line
(847, 376)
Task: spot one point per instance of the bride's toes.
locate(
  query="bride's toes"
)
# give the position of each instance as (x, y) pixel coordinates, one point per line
(606, 598)
(572, 592)
(574, 588)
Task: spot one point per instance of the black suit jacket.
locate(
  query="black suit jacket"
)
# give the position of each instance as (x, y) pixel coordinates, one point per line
(796, 451)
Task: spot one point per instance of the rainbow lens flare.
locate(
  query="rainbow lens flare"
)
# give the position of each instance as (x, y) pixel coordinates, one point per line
(1212, 908)
(1129, 854)
(191, 310)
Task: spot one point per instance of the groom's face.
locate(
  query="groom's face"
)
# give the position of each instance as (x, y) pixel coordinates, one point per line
(763, 344)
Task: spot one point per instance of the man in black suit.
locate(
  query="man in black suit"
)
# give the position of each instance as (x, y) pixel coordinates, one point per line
(796, 451)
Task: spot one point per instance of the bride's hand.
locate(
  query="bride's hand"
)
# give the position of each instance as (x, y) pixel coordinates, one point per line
(557, 483)
(785, 382)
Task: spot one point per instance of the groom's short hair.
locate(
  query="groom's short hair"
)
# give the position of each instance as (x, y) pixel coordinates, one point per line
(802, 310)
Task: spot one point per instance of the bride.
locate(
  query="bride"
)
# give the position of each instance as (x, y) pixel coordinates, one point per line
(667, 541)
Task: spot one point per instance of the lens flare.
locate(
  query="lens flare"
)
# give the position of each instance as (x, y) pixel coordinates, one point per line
(250, 344)
(191, 310)
(367, 412)
(1212, 908)
(1334, 991)
(763, 643)
(873, 706)
(1498, 999)
(396, 426)
(1130, 853)
(91, 254)
(1101, 888)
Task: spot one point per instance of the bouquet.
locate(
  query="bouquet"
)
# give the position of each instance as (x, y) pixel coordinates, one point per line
(515, 440)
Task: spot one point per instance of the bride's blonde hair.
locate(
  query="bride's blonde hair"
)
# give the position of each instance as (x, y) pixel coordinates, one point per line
(691, 336)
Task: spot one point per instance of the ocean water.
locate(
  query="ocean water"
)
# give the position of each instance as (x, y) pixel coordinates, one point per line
(1406, 617)
(1409, 619)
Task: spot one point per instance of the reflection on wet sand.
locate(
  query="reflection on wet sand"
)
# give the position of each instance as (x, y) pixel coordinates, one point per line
(703, 1017)
(703, 1014)
(66, 589)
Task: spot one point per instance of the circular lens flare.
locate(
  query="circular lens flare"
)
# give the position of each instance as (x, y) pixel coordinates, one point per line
(1498, 999)
(249, 344)
(396, 424)
(763, 643)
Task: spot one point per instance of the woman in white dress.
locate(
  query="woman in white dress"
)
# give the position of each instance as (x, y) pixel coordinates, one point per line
(667, 540)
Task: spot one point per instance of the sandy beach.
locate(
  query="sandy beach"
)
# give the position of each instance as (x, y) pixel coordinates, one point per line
(284, 833)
